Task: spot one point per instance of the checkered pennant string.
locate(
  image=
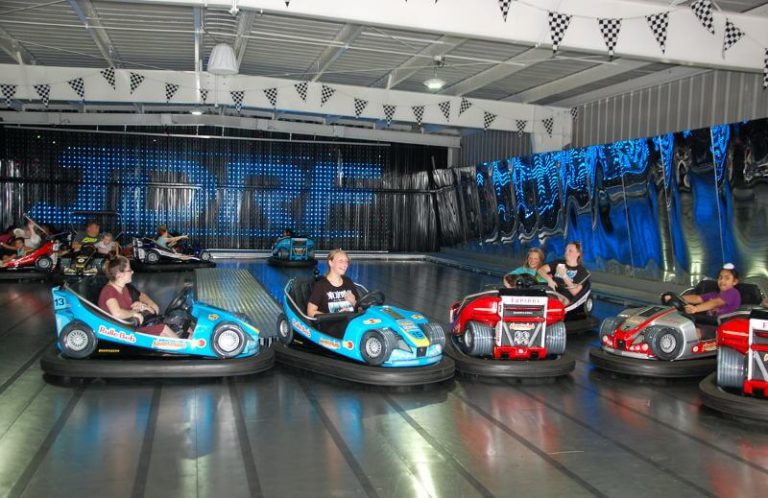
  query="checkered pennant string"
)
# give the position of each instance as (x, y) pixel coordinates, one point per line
(271, 94)
(548, 123)
(360, 106)
(8, 93)
(170, 91)
(326, 93)
(287, 3)
(418, 112)
(658, 24)
(610, 29)
(465, 104)
(488, 119)
(765, 70)
(389, 113)
(558, 24)
(574, 113)
(109, 75)
(445, 107)
(520, 124)
(504, 6)
(204, 95)
(44, 91)
(237, 98)
(135, 79)
(78, 85)
(703, 11)
(301, 89)
(732, 35)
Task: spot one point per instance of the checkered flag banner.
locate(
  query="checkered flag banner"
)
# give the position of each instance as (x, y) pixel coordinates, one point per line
(204, 95)
(389, 113)
(109, 75)
(360, 105)
(237, 98)
(703, 10)
(8, 93)
(558, 24)
(658, 24)
(78, 85)
(301, 89)
(170, 91)
(732, 35)
(520, 124)
(445, 108)
(610, 29)
(488, 119)
(504, 6)
(326, 93)
(548, 124)
(136, 79)
(765, 70)
(44, 91)
(418, 112)
(574, 113)
(465, 104)
(271, 94)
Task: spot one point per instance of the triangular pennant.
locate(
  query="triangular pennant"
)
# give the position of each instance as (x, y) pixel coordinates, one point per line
(488, 119)
(326, 92)
(287, 2)
(271, 94)
(360, 105)
(504, 6)
(204, 95)
(465, 104)
(703, 11)
(732, 35)
(78, 85)
(521, 124)
(548, 123)
(610, 29)
(765, 70)
(558, 24)
(109, 75)
(170, 91)
(418, 113)
(389, 112)
(574, 113)
(9, 91)
(238, 97)
(44, 91)
(135, 80)
(301, 89)
(658, 24)
(445, 107)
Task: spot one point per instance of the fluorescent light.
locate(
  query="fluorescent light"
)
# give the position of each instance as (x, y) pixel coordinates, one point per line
(434, 84)
(196, 112)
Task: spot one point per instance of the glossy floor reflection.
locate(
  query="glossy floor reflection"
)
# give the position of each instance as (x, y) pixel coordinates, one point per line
(287, 434)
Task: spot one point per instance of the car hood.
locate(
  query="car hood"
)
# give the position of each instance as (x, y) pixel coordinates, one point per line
(403, 322)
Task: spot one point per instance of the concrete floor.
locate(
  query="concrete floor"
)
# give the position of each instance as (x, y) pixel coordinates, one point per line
(287, 434)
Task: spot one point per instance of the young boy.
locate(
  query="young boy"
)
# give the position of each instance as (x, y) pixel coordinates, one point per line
(107, 245)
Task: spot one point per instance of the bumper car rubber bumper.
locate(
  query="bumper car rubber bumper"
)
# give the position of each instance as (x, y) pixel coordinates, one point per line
(511, 369)
(680, 369)
(731, 403)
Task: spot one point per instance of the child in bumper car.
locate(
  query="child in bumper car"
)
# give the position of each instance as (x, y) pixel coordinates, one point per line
(726, 300)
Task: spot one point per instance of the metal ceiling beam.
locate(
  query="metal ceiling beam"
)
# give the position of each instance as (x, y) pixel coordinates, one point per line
(15, 49)
(497, 72)
(576, 80)
(90, 19)
(244, 24)
(199, 32)
(344, 38)
(441, 46)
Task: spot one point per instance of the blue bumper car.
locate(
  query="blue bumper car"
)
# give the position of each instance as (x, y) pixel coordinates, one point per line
(380, 345)
(293, 251)
(212, 342)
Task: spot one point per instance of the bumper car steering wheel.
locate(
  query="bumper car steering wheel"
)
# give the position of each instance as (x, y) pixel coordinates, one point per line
(373, 298)
(672, 299)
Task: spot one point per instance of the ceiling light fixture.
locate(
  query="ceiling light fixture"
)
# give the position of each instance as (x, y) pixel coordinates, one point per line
(434, 84)
(223, 60)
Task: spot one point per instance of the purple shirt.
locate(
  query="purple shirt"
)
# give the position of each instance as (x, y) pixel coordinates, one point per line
(732, 299)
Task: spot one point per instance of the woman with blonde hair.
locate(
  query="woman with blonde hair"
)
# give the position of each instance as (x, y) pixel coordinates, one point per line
(533, 261)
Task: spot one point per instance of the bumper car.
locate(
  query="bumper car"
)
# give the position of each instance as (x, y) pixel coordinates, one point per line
(663, 341)
(38, 264)
(578, 311)
(150, 257)
(381, 345)
(212, 342)
(514, 333)
(87, 262)
(293, 251)
(739, 388)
